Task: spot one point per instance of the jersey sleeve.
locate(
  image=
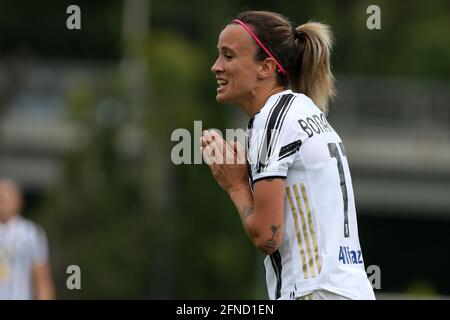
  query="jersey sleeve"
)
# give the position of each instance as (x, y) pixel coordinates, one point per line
(272, 149)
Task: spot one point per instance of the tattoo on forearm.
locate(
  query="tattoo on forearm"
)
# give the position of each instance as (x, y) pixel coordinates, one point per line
(272, 243)
(245, 213)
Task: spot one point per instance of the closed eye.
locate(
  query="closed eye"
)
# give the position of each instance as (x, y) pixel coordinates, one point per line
(227, 53)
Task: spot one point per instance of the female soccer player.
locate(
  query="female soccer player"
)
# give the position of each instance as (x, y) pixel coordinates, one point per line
(294, 195)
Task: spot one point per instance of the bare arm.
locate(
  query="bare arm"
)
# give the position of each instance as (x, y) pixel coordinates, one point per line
(43, 282)
(262, 214)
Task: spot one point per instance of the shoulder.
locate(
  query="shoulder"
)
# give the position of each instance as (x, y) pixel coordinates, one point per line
(302, 106)
(29, 227)
(274, 112)
(283, 109)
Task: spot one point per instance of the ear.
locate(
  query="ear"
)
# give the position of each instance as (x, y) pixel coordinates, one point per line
(267, 68)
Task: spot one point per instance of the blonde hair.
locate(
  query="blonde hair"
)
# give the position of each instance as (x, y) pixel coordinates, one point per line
(314, 77)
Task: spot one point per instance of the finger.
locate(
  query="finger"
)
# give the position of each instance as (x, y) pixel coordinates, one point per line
(206, 136)
(227, 150)
(215, 135)
(207, 156)
(231, 150)
(217, 152)
(231, 145)
(213, 153)
(240, 152)
(209, 135)
(219, 146)
(203, 141)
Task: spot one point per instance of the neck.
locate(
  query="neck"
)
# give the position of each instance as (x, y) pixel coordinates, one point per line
(258, 100)
(6, 219)
(3, 220)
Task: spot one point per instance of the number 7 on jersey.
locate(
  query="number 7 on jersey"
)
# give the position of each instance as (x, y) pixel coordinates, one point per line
(334, 153)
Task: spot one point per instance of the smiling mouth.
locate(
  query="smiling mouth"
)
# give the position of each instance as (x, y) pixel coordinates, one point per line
(221, 84)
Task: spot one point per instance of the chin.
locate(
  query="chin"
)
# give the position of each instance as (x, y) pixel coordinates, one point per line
(220, 98)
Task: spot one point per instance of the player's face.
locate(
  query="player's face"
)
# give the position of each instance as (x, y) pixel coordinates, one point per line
(9, 200)
(235, 68)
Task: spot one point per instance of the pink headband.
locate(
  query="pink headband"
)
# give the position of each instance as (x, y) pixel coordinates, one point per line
(250, 32)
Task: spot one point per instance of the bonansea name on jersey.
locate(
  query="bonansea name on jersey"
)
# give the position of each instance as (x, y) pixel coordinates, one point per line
(316, 123)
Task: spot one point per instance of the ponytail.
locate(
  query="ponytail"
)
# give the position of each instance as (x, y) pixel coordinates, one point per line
(313, 76)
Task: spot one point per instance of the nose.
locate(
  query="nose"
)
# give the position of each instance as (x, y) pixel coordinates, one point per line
(217, 66)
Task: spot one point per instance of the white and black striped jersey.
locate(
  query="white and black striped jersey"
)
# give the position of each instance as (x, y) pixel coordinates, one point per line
(291, 138)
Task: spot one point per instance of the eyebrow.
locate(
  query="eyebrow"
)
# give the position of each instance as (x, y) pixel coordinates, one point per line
(225, 48)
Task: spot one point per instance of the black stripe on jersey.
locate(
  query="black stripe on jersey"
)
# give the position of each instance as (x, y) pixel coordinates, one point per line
(273, 125)
(271, 110)
(248, 138)
(275, 122)
(251, 121)
(275, 258)
(250, 177)
(261, 146)
(289, 149)
(342, 149)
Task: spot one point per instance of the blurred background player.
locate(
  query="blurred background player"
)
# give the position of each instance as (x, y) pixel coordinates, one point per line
(24, 268)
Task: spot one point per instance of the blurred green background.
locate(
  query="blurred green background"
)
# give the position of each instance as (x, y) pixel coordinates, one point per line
(86, 118)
